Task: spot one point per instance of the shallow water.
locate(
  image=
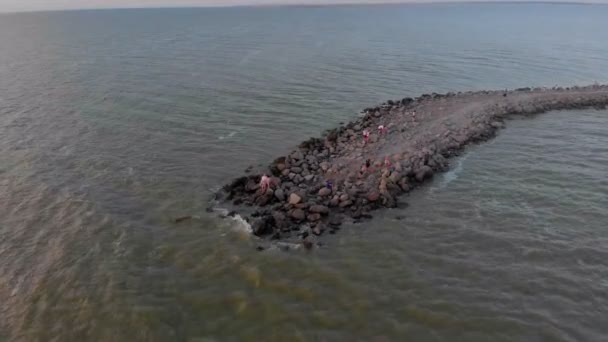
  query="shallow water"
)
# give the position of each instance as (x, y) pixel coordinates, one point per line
(113, 123)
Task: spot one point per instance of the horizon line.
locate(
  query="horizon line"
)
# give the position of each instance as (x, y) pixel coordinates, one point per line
(306, 4)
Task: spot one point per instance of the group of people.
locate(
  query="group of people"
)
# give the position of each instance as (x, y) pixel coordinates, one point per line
(381, 130)
(367, 166)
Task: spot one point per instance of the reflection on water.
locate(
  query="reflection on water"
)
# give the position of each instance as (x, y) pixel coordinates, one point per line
(109, 132)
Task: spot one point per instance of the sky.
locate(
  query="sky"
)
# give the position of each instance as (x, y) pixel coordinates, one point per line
(39, 5)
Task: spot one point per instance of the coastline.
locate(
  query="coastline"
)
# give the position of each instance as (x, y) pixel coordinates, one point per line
(340, 176)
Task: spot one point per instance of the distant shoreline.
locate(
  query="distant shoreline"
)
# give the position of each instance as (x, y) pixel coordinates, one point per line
(302, 5)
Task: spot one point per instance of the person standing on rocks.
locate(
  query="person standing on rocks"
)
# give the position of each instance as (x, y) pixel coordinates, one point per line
(381, 129)
(264, 183)
(365, 135)
(387, 161)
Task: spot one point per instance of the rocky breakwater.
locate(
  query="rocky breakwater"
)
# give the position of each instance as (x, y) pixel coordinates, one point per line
(345, 176)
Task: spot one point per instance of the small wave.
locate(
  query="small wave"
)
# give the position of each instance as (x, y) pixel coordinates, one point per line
(241, 223)
(453, 174)
(230, 135)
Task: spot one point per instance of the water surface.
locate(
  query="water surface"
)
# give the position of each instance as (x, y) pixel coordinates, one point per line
(112, 123)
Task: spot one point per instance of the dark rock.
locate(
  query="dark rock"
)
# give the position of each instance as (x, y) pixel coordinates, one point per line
(297, 155)
(335, 221)
(321, 209)
(279, 219)
(263, 226)
(183, 218)
(263, 200)
(307, 243)
(404, 185)
(251, 186)
(313, 217)
(296, 169)
(297, 214)
(302, 205)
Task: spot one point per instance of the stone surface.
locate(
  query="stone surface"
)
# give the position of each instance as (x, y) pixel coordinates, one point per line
(294, 199)
(321, 209)
(324, 192)
(297, 214)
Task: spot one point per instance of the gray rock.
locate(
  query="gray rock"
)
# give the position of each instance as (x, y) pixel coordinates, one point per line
(297, 155)
(263, 200)
(497, 124)
(321, 209)
(308, 178)
(334, 202)
(423, 173)
(296, 169)
(346, 203)
(335, 221)
(297, 214)
(313, 217)
(344, 197)
(324, 192)
(279, 194)
(395, 177)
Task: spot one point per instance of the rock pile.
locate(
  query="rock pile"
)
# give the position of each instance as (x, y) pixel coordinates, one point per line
(341, 175)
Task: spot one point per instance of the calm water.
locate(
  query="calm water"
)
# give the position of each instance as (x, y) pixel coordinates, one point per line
(112, 123)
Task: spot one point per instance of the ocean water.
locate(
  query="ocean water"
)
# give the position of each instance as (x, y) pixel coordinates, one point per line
(114, 122)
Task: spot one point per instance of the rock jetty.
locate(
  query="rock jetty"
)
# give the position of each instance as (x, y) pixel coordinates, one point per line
(343, 175)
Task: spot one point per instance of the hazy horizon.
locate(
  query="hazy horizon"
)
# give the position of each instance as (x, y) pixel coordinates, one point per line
(53, 5)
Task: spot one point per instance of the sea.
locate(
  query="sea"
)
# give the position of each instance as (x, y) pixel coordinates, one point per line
(115, 122)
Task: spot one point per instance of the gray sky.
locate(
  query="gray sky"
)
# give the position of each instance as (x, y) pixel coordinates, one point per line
(35, 5)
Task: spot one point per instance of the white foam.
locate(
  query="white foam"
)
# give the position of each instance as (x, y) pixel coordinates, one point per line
(230, 135)
(241, 223)
(453, 173)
